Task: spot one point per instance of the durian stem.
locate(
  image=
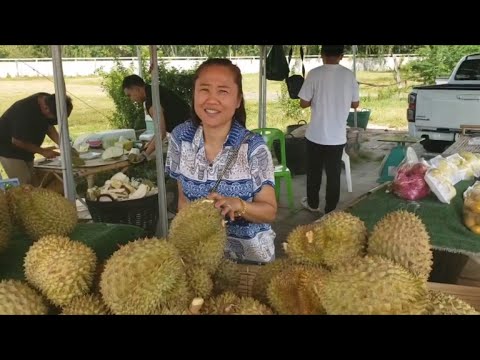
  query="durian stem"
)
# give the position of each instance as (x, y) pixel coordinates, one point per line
(196, 306)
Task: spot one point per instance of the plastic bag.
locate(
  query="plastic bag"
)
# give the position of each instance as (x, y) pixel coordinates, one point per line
(276, 65)
(471, 208)
(409, 182)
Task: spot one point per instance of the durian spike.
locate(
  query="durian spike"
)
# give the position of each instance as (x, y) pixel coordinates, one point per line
(196, 306)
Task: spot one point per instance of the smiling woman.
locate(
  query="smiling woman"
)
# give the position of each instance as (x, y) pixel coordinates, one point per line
(215, 156)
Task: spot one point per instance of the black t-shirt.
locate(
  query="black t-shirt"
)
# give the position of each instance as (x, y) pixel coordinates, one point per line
(175, 109)
(24, 121)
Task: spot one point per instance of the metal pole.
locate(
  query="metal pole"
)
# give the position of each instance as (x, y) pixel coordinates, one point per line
(65, 147)
(139, 58)
(354, 50)
(262, 85)
(162, 226)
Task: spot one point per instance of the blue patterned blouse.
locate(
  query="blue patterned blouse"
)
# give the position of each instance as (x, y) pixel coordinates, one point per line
(253, 169)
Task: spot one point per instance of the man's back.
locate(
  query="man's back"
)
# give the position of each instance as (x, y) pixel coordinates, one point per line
(331, 88)
(175, 109)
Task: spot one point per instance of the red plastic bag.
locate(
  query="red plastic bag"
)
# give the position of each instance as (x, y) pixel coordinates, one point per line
(409, 182)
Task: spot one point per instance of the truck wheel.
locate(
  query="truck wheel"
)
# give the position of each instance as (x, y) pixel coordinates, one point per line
(436, 146)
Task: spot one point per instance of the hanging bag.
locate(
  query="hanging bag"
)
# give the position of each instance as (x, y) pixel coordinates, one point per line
(276, 65)
(295, 82)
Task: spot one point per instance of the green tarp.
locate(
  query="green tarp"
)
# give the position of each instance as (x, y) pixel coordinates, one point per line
(104, 239)
(444, 222)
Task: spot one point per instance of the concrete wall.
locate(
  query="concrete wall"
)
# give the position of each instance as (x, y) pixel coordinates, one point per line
(248, 65)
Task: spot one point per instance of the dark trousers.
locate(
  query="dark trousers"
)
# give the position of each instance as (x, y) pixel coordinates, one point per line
(319, 157)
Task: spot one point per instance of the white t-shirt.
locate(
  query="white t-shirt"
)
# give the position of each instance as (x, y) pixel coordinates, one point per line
(331, 90)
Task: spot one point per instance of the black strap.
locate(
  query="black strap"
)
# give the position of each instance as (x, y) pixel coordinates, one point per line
(232, 157)
(301, 57)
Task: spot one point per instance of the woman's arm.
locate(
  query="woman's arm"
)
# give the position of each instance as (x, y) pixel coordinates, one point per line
(263, 208)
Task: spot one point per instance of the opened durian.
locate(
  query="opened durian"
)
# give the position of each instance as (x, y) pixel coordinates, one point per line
(446, 304)
(6, 226)
(402, 237)
(295, 291)
(373, 286)
(17, 298)
(198, 232)
(60, 268)
(142, 276)
(343, 237)
(85, 305)
(44, 212)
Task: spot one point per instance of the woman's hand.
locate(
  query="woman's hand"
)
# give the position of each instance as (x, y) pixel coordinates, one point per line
(228, 205)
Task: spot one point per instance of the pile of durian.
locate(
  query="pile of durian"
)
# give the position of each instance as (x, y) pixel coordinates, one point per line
(121, 187)
(332, 266)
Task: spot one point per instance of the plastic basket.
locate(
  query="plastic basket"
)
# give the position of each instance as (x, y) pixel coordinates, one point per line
(139, 212)
(362, 118)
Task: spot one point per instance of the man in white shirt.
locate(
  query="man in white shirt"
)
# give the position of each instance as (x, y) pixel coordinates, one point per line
(331, 90)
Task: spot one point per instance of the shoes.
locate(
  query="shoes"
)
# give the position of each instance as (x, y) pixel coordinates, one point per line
(305, 205)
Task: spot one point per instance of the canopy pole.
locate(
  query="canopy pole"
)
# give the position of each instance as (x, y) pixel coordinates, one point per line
(61, 105)
(262, 96)
(354, 50)
(162, 226)
(139, 59)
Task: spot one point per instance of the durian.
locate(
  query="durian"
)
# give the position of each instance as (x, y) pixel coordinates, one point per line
(226, 277)
(265, 275)
(44, 212)
(302, 246)
(343, 237)
(446, 304)
(373, 286)
(60, 268)
(294, 291)
(142, 276)
(402, 237)
(230, 304)
(6, 226)
(17, 298)
(200, 282)
(198, 232)
(85, 305)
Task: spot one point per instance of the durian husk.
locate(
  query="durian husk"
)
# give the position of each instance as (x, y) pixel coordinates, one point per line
(17, 298)
(85, 305)
(230, 304)
(294, 291)
(200, 282)
(43, 212)
(199, 234)
(343, 237)
(6, 226)
(60, 268)
(142, 277)
(226, 277)
(373, 286)
(302, 247)
(265, 275)
(446, 304)
(14, 195)
(402, 237)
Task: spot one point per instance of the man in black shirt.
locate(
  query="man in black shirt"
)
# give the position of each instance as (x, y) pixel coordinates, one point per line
(174, 110)
(23, 127)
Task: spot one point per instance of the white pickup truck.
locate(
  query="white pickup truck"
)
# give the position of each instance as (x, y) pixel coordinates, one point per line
(435, 112)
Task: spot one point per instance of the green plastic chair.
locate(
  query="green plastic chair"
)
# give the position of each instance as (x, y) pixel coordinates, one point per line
(281, 171)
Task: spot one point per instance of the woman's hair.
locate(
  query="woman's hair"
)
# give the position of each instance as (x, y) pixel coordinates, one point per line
(240, 114)
(52, 106)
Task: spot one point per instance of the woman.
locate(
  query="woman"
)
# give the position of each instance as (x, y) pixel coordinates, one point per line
(200, 148)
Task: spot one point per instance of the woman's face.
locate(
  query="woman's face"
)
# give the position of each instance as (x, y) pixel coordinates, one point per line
(216, 96)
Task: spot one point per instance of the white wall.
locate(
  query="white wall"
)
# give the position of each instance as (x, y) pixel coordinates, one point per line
(248, 65)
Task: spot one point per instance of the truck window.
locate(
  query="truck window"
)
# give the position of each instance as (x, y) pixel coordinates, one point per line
(469, 70)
